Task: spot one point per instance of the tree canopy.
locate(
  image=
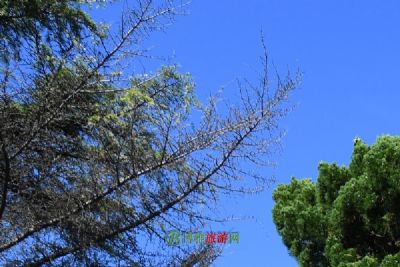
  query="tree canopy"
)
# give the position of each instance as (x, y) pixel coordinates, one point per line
(351, 215)
(98, 161)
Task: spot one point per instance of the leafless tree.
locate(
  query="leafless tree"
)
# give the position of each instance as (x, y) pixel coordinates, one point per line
(97, 164)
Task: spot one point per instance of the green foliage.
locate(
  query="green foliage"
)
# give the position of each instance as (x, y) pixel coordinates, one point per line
(350, 216)
(44, 21)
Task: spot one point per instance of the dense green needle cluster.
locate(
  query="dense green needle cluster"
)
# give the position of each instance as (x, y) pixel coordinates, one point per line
(41, 21)
(351, 215)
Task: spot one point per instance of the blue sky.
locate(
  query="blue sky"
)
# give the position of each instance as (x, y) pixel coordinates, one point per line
(348, 52)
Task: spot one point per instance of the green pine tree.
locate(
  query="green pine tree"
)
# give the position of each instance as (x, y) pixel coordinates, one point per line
(351, 215)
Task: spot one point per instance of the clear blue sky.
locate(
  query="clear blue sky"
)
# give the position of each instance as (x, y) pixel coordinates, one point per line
(349, 54)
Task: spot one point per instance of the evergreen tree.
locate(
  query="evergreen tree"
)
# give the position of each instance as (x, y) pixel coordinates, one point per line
(351, 215)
